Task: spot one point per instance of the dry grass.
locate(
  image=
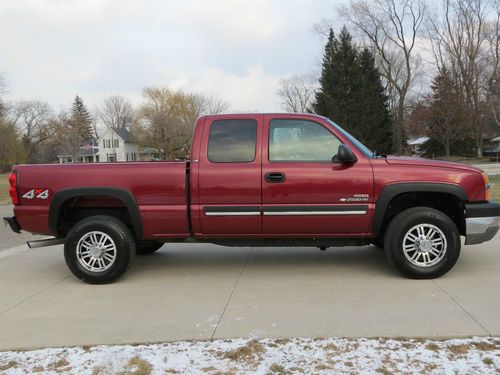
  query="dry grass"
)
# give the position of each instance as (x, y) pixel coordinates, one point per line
(495, 187)
(59, 365)
(4, 188)
(8, 365)
(383, 371)
(252, 351)
(458, 349)
(277, 369)
(137, 366)
(432, 346)
(488, 361)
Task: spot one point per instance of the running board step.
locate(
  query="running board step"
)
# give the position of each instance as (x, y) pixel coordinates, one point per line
(45, 242)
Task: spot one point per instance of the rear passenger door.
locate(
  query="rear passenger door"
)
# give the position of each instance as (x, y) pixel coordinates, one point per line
(230, 176)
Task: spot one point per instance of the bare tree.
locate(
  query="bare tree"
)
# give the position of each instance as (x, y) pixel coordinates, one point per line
(391, 27)
(170, 116)
(116, 112)
(459, 41)
(69, 137)
(32, 118)
(492, 35)
(3, 90)
(210, 105)
(297, 93)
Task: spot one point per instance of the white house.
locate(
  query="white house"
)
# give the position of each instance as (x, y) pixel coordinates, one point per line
(115, 145)
(416, 143)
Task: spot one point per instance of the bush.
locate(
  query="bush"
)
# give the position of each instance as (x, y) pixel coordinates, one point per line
(463, 147)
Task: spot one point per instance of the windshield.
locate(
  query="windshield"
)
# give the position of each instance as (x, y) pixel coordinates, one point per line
(361, 147)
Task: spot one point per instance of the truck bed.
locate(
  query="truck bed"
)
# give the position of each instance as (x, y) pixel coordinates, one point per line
(159, 189)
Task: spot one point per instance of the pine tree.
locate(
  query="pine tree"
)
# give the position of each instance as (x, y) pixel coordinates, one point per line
(80, 119)
(351, 92)
(374, 127)
(448, 125)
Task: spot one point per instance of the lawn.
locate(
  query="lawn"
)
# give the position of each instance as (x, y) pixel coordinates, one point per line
(4, 188)
(495, 187)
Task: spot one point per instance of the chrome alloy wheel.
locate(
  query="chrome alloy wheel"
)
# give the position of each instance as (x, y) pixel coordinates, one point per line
(96, 251)
(424, 245)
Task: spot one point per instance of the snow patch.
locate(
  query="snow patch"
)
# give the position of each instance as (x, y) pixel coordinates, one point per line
(479, 355)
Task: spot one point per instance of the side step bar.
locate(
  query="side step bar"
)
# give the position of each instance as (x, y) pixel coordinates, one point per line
(45, 242)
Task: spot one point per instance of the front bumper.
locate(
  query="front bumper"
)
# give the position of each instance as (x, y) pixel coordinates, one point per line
(482, 222)
(13, 224)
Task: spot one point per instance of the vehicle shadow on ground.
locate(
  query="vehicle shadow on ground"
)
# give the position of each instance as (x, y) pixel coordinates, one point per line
(366, 259)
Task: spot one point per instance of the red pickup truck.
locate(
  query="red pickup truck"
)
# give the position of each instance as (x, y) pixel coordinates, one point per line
(257, 180)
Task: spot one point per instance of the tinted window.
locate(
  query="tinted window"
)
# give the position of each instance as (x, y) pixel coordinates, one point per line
(232, 141)
(300, 140)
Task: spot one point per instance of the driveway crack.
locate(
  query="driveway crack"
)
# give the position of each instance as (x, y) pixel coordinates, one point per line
(33, 295)
(232, 292)
(463, 308)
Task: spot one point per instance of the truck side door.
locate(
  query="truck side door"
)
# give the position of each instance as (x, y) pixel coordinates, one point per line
(304, 193)
(229, 176)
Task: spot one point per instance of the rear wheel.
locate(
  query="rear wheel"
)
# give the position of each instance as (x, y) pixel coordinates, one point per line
(423, 243)
(99, 249)
(147, 247)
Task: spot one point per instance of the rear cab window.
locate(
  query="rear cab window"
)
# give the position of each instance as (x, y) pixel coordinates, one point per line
(232, 141)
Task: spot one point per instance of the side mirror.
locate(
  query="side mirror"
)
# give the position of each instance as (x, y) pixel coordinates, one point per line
(345, 155)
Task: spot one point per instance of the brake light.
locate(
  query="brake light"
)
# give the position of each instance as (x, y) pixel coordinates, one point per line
(487, 186)
(14, 195)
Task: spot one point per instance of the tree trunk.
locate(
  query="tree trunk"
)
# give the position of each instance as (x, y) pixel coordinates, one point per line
(398, 128)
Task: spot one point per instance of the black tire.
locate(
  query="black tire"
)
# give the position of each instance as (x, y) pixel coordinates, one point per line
(403, 223)
(147, 247)
(115, 233)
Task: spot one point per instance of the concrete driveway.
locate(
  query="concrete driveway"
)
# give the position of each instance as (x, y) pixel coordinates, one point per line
(205, 291)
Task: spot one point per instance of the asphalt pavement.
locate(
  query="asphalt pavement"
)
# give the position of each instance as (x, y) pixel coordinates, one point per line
(186, 292)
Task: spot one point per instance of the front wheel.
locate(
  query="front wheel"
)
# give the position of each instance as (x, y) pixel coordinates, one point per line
(423, 243)
(99, 249)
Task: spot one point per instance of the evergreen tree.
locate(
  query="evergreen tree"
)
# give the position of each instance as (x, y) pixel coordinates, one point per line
(447, 118)
(80, 119)
(374, 127)
(351, 92)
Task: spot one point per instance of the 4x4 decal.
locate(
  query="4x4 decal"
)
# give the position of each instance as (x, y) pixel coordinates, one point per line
(37, 193)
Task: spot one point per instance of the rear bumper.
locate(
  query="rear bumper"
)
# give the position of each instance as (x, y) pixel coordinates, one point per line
(13, 224)
(482, 222)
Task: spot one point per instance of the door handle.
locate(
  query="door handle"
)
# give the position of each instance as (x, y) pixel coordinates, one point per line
(275, 177)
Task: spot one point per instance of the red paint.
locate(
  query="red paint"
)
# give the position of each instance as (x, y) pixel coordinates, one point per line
(160, 192)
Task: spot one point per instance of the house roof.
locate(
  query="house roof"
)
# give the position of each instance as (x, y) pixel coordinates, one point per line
(122, 133)
(417, 141)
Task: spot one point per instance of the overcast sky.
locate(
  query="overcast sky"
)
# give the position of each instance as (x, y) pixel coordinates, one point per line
(237, 50)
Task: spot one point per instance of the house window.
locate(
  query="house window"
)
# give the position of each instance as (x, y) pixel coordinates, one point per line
(128, 156)
(116, 143)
